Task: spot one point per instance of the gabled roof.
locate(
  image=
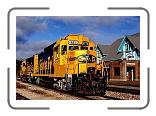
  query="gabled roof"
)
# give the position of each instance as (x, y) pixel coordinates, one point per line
(121, 44)
(112, 50)
(135, 40)
(104, 48)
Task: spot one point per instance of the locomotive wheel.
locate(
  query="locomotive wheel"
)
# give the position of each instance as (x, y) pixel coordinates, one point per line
(31, 80)
(97, 87)
(38, 81)
(102, 87)
(51, 83)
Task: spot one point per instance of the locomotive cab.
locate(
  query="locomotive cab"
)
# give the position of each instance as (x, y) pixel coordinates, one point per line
(78, 54)
(78, 57)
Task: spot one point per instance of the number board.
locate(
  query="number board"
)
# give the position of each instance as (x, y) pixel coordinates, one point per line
(72, 42)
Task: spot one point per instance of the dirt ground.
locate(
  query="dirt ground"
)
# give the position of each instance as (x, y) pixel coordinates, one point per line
(35, 92)
(20, 97)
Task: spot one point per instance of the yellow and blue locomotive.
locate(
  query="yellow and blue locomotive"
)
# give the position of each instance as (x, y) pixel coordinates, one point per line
(68, 64)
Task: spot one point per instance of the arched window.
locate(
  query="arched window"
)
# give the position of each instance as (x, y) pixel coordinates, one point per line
(127, 46)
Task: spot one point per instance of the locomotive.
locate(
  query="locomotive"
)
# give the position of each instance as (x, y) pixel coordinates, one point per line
(68, 64)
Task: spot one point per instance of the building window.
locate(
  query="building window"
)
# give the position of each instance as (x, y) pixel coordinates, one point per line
(127, 47)
(116, 71)
(130, 56)
(98, 54)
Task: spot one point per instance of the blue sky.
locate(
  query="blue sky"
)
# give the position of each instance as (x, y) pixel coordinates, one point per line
(35, 33)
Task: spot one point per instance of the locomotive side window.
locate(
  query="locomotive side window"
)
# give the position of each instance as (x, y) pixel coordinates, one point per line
(91, 48)
(23, 64)
(56, 50)
(73, 47)
(64, 49)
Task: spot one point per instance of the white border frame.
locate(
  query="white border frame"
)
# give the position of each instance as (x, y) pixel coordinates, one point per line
(81, 104)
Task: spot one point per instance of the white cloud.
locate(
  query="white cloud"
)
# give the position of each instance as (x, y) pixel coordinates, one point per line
(25, 26)
(90, 20)
(29, 48)
(90, 26)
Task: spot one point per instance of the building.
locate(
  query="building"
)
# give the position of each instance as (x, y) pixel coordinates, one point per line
(122, 58)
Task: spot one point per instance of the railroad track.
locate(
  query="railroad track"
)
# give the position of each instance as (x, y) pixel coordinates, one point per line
(24, 88)
(85, 97)
(89, 97)
(31, 91)
(100, 97)
(124, 89)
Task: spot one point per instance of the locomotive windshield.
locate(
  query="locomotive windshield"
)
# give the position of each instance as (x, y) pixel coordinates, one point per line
(73, 47)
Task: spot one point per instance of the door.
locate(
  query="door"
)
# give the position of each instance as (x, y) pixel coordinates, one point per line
(131, 73)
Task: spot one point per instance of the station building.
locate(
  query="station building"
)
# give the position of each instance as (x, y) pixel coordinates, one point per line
(122, 58)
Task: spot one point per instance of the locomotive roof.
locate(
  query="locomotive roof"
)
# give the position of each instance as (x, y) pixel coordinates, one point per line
(68, 37)
(49, 48)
